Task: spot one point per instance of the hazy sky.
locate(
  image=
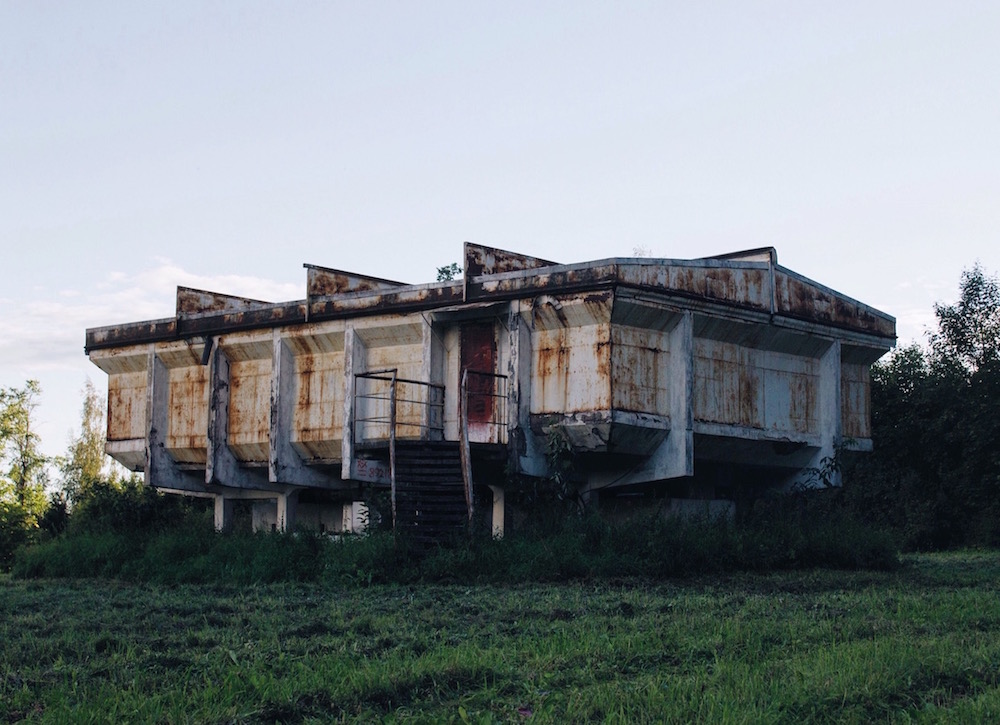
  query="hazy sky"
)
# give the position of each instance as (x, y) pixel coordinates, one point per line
(221, 145)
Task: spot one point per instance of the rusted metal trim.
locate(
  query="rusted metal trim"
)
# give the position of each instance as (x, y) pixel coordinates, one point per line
(99, 338)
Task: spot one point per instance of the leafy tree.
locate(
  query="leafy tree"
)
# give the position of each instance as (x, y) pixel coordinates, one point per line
(449, 272)
(969, 331)
(934, 476)
(22, 470)
(22, 461)
(86, 463)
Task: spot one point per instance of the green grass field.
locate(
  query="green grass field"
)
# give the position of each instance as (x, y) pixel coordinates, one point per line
(918, 644)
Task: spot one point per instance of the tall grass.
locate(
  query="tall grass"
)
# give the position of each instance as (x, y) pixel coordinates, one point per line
(576, 548)
(920, 644)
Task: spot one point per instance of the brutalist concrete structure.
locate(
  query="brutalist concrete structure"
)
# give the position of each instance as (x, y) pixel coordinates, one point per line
(699, 378)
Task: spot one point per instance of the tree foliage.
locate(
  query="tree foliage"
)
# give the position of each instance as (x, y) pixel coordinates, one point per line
(935, 473)
(449, 272)
(23, 462)
(22, 469)
(969, 330)
(86, 463)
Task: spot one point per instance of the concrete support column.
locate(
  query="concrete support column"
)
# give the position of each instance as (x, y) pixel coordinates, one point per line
(830, 418)
(498, 511)
(354, 363)
(287, 505)
(681, 369)
(818, 472)
(223, 513)
(521, 444)
(355, 517)
(433, 371)
(221, 466)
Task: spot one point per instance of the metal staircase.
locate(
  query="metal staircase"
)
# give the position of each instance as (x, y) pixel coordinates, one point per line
(430, 491)
(430, 478)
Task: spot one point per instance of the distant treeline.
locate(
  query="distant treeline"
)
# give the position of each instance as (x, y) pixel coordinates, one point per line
(934, 476)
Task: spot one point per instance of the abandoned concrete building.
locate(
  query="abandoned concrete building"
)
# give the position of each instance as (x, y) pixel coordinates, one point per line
(696, 381)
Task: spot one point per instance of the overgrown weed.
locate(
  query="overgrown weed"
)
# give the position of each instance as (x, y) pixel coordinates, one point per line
(583, 547)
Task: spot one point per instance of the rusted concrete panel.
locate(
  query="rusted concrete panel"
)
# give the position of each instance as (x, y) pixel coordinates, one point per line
(199, 302)
(741, 284)
(855, 387)
(316, 339)
(571, 369)
(250, 408)
(323, 281)
(561, 279)
(640, 364)
(728, 388)
(121, 360)
(127, 406)
(480, 260)
(790, 401)
(253, 318)
(411, 399)
(246, 346)
(318, 417)
(804, 299)
(402, 300)
(187, 424)
(643, 313)
(398, 331)
(549, 312)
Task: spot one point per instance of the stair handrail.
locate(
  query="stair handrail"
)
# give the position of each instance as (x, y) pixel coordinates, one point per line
(433, 401)
(463, 435)
(392, 446)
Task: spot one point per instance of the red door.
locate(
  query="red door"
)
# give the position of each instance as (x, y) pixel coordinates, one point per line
(479, 355)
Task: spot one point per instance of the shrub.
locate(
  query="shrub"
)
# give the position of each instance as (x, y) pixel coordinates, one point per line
(784, 533)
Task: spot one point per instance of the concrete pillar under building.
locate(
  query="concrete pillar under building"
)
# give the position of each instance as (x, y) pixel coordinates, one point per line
(287, 504)
(223, 513)
(498, 511)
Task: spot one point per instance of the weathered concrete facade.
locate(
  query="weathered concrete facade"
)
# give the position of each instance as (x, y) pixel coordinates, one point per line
(700, 375)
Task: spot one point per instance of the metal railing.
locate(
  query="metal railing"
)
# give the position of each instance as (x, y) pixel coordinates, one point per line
(387, 406)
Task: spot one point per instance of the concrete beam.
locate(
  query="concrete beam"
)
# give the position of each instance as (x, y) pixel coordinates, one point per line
(354, 363)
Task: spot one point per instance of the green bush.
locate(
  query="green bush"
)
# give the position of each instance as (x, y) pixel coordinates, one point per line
(786, 533)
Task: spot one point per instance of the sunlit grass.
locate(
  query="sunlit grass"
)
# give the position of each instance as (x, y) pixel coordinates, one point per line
(918, 644)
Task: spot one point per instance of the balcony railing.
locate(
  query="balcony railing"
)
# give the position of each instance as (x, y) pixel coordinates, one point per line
(387, 406)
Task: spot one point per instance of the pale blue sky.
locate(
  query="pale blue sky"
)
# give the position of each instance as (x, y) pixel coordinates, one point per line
(221, 145)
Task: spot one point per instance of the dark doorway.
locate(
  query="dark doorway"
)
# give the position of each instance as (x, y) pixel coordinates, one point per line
(479, 357)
